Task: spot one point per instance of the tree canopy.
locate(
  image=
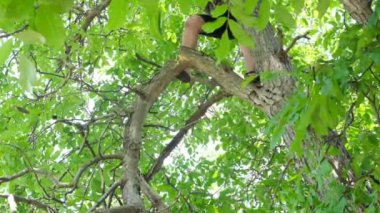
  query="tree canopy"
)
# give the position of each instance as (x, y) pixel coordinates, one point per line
(92, 117)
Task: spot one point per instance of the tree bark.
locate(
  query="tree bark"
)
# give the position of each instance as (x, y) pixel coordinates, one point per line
(268, 96)
(133, 132)
(360, 10)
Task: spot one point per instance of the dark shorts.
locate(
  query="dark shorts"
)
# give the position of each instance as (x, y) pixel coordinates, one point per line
(218, 32)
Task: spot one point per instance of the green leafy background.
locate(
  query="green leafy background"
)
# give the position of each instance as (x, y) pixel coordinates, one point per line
(66, 83)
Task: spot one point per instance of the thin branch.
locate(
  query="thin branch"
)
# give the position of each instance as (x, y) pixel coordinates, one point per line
(84, 167)
(67, 79)
(349, 118)
(374, 179)
(15, 32)
(74, 182)
(141, 58)
(187, 202)
(30, 201)
(106, 194)
(154, 198)
(202, 109)
(305, 35)
(136, 91)
(26, 172)
(374, 75)
(159, 126)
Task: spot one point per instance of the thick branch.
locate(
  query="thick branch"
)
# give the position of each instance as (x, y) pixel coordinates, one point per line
(94, 13)
(121, 209)
(134, 127)
(268, 96)
(227, 79)
(29, 201)
(360, 10)
(202, 109)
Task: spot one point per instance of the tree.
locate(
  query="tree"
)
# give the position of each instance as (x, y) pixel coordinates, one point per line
(92, 118)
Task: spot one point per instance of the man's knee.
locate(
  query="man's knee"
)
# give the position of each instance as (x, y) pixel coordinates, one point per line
(194, 22)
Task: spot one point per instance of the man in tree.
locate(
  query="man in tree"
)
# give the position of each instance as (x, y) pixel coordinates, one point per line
(193, 27)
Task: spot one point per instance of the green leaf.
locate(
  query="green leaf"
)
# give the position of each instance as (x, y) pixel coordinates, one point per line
(296, 145)
(50, 25)
(270, 76)
(153, 11)
(5, 51)
(219, 10)
(19, 9)
(264, 14)
(249, 6)
(116, 14)
(240, 34)
(201, 3)
(185, 5)
(224, 46)
(31, 37)
(242, 17)
(322, 7)
(59, 6)
(283, 16)
(248, 80)
(297, 5)
(212, 26)
(375, 56)
(27, 73)
(239, 3)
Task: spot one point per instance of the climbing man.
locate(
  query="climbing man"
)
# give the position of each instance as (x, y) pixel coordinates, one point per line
(193, 28)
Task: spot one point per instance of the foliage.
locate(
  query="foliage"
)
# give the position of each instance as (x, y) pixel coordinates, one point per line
(70, 72)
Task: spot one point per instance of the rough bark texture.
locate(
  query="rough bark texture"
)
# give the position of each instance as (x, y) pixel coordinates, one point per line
(269, 56)
(269, 96)
(360, 10)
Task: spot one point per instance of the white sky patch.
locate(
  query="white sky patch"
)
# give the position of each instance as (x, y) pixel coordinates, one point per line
(12, 203)
(215, 190)
(100, 74)
(90, 105)
(208, 151)
(202, 152)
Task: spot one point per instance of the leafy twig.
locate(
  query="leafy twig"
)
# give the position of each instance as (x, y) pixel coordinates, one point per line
(74, 183)
(105, 195)
(15, 32)
(291, 45)
(32, 202)
(202, 109)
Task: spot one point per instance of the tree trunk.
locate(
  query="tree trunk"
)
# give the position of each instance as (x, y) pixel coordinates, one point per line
(360, 10)
(269, 96)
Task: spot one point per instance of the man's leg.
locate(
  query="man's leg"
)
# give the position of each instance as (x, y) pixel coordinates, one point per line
(248, 58)
(193, 26)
